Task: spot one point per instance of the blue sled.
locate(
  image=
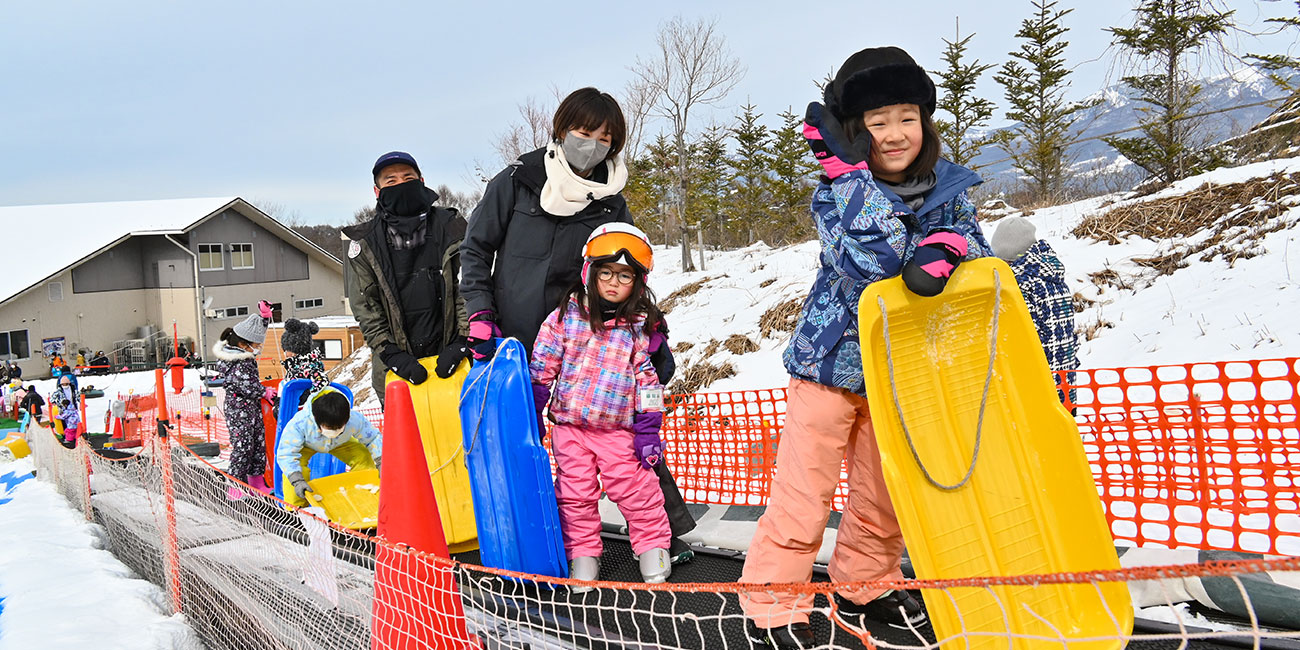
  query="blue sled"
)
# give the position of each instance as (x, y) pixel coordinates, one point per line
(509, 469)
(27, 418)
(320, 464)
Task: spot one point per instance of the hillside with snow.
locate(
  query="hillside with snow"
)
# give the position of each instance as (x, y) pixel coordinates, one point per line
(1234, 99)
(1206, 270)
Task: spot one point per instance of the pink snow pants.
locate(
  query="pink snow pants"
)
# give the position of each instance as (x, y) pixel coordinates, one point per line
(581, 454)
(823, 425)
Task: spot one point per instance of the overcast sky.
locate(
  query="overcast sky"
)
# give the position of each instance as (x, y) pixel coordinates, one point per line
(290, 102)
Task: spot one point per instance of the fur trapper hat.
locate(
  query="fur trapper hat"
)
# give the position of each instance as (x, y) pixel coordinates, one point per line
(297, 336)
(875, 77)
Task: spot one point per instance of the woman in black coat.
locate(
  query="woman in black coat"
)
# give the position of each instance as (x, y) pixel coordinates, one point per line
(523, 248)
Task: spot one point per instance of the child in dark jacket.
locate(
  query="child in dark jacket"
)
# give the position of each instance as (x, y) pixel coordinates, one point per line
(301, 360)
(607, 403)
(237, 354)
(1041, 277)
(887, 206)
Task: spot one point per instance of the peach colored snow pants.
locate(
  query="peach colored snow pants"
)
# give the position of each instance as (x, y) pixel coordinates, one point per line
(580, 455)
(823, 425)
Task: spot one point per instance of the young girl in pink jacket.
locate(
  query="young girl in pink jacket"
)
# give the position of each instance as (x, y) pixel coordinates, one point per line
(607, 403)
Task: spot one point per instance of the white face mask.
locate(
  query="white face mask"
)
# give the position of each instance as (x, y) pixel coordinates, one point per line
(331, 433)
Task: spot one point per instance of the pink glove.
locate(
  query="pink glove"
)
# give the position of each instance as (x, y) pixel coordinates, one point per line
(483, 334)
(933, 262)
(264, 308)
(269, 394)
(830, 145)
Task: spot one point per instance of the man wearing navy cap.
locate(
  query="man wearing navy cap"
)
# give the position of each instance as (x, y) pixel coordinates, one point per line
(405, 266)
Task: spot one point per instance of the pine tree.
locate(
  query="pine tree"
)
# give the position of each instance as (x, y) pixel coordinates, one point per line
(750, 199)
(793, 174)
(709, 182)
(651, 183)
(1280, 67)
(1165, 33)
(958, 100)
(1034, 85)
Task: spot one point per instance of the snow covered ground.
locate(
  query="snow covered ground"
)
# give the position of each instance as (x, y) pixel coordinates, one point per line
(62, 588)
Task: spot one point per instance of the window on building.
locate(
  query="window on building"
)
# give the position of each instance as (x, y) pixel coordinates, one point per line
(56, 292)
(333, 349)
(210, 257)
(241, 256)
(310, 303)
(232, 312)
(15, 343)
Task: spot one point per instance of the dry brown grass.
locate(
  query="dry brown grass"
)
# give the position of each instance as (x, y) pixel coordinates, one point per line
(1164, 264)
(1094, 330)
(1081, 302)
(666, 305)
(1109, 278)
(682, 346)
(1215, 207)
(740, 344)
(781, 318)
(766, 282)
(698, 375)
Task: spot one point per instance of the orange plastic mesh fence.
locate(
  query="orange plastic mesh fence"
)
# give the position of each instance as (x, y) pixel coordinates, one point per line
(1201, 455)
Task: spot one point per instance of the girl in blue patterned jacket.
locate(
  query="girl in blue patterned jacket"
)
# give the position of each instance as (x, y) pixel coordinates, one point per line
(888, 205)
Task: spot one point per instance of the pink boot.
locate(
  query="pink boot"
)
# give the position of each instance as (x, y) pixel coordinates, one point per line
(258, 482)
(233, 493)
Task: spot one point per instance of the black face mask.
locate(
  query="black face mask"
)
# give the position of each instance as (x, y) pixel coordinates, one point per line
(404, 199)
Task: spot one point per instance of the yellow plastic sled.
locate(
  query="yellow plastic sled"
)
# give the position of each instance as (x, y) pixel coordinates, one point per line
(437, 412)
(350, 499)
(17, 445)
(1019, 501)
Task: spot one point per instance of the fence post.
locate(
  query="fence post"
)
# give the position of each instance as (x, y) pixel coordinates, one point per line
(1202, 450)
(171, 544)
(85, 484)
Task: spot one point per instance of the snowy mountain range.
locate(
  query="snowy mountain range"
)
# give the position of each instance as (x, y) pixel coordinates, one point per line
(1117, 109)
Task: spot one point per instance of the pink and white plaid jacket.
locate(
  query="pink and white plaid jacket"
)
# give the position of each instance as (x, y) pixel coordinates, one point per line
(597, 376)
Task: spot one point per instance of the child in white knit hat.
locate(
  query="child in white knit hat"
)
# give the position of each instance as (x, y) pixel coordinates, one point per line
(1041, 277)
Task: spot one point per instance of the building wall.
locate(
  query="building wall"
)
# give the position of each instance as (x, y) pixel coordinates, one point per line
(274, 260)
(150, 281)
(325, 283)
(85, 320)
(137, 263)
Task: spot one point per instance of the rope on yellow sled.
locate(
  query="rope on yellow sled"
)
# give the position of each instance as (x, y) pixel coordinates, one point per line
(988, 378)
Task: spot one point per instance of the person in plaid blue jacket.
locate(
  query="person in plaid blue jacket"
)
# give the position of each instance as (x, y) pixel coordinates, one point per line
(1041, 277)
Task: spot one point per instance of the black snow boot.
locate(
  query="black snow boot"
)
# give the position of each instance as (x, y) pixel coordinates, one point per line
(897, 609)
(795, 636)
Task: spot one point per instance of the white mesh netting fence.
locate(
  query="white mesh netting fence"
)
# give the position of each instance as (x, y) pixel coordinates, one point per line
(254, 573)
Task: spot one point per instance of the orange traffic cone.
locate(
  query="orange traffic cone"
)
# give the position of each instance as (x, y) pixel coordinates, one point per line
(417, 603)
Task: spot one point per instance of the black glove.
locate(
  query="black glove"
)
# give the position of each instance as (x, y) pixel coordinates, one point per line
(404, 364)
(936, 257)
(450, 357)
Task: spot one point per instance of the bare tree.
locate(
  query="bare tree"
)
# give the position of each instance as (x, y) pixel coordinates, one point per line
(278, 211)
(531, 132)
(464, 202)
(692, 68)
(637, 100)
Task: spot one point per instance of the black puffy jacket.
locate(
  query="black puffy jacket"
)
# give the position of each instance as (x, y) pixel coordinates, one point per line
(537, 256)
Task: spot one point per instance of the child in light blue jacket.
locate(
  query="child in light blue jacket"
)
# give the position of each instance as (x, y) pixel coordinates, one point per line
(328, 424)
